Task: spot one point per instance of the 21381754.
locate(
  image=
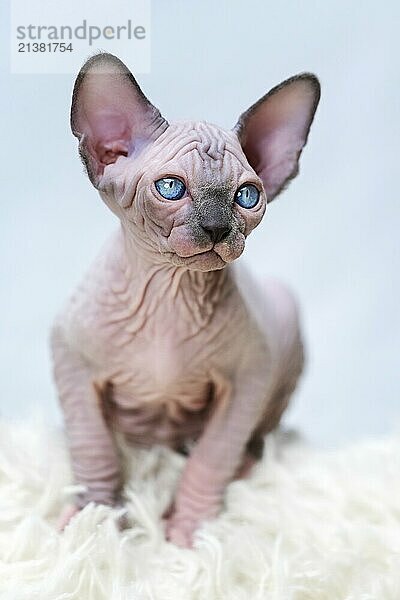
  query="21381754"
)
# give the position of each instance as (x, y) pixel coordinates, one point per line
(44, 47)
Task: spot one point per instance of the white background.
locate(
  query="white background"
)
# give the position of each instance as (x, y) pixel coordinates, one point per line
(333, 235)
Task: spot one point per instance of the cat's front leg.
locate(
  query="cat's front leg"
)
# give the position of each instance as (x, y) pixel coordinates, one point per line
(94, 459)
(220, 451)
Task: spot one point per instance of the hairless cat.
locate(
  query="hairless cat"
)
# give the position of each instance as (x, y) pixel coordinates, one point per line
(165, 341)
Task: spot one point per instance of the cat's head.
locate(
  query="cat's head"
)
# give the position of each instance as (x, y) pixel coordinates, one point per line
(187, 193)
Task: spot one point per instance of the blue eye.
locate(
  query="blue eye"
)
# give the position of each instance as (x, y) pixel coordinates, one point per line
(247, 196)
(170, 188)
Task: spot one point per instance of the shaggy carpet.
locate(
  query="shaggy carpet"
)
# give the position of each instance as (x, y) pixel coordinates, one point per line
(307, 525)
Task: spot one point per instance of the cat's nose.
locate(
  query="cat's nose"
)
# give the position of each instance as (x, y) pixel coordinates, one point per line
(217, 233)
(215, 218)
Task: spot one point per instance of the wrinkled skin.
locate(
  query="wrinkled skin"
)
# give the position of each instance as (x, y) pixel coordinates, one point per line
(166, 341)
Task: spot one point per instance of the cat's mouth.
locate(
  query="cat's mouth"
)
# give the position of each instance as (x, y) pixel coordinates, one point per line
(207, 260)
(216, 257)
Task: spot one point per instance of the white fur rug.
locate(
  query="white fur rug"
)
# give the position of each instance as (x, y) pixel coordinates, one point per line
(307, 525)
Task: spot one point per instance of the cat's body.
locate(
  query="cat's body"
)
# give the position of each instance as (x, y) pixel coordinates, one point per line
(155, 344)
(164, 341)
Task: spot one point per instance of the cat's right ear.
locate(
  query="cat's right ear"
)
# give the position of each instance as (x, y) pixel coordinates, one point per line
(274, 131)
(110, 115)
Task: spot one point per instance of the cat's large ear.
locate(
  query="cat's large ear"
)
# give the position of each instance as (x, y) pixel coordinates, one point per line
(110, 115)
(274, 131)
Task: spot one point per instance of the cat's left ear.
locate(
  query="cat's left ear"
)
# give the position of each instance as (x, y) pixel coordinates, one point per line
(110, 115)
(274, 131)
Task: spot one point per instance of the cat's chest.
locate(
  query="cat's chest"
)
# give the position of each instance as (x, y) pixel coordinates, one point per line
(161, 350)
(161, 390)
(168, 348)
(162, 381)
(159, 360)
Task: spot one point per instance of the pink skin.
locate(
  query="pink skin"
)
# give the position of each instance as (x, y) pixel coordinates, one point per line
(165, 341)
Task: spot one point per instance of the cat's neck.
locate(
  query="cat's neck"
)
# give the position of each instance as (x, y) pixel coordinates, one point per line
(154, 285)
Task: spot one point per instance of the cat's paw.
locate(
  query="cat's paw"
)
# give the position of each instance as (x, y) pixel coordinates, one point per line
(180, 531)
(70, 510)
(66, 514)
(181, 524)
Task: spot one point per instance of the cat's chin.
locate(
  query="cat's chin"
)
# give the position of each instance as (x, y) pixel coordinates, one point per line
(204, 261)
(211, 259)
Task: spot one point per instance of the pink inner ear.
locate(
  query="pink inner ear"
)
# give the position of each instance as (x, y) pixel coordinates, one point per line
(113, 134)
(277, 158)
(274, 131)
(110, 115)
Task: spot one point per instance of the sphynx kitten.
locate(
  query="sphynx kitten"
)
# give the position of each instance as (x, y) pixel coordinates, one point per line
(164, 341)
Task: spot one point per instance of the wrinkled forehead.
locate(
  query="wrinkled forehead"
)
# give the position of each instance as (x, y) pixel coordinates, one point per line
(202, 152)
